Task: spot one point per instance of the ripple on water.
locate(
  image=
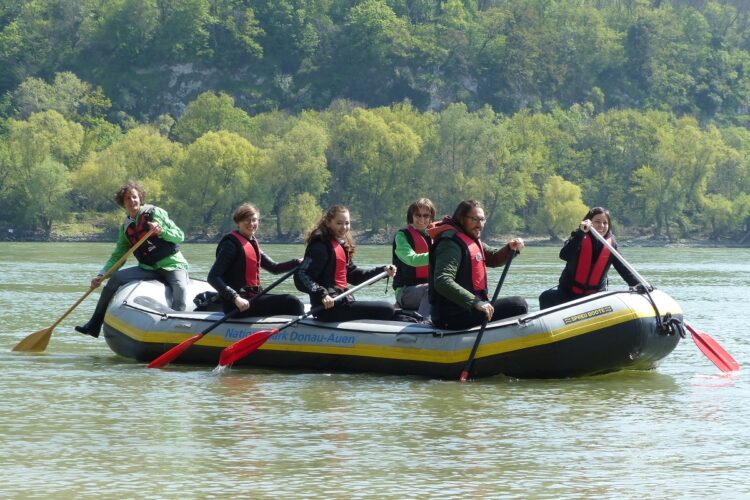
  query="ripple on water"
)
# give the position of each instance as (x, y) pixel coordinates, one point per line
(78, 421)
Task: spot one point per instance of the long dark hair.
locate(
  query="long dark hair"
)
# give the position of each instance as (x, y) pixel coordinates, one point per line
(600, 210)
(463, 209)
(321, 230)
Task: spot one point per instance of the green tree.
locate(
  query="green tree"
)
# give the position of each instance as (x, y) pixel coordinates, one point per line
(372, 159)
(37, 181)
(210, 112)
(119, 33)
(37, 37)
(60, 138)
(142, 154)
(67, 94)
(561, 208)
(300, 214)
(218, 171)
(184, 30)
(615, 144)
(675, 184)
(296, 165)
(371, 55)
(236, 34)
(46, 187)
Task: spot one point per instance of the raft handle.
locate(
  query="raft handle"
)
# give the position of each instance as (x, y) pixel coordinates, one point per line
(406, 338)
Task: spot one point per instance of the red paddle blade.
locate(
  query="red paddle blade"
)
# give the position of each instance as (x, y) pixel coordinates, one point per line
(245, 347)
(713, 351)
(174, 352)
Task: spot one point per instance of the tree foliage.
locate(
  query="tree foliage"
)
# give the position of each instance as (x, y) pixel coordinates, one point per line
(643, 106)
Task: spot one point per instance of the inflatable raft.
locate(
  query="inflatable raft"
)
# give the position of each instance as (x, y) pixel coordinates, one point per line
(601, 333)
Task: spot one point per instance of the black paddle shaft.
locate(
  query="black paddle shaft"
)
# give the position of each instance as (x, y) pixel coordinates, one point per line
(235, 312)
(470, 361)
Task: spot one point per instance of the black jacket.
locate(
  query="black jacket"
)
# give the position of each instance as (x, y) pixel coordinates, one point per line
(315, 276)
(570, 252)
(227, 275)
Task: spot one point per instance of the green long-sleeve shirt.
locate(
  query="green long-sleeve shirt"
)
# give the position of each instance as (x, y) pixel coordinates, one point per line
(170, 232)
(408, 256)
(448, 255)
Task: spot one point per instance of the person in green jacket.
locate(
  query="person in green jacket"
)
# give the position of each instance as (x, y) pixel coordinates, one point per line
(458, 271)
(159, 257)
(411, 254)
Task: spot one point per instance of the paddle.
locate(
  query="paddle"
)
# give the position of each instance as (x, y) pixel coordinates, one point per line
(251, 343)
(713, 351)
(470, 361)
(708, 346)
(177, 350)
(37, 341)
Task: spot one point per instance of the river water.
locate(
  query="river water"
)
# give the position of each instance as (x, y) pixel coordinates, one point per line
(78, 421)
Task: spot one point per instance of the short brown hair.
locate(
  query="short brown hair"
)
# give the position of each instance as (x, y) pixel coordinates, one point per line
(420, 203)
(126, 188)
(244, 212)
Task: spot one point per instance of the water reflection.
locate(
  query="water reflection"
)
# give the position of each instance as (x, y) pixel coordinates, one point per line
(78, 421)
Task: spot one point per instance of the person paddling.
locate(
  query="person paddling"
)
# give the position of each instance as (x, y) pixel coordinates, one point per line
(328, 268)
(587, 262)
(458, 271)
(236, 272)
(159, 257)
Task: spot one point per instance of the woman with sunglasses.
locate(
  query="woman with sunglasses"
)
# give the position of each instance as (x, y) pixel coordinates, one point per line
(586, 262)
(411, 247)
(458, 271)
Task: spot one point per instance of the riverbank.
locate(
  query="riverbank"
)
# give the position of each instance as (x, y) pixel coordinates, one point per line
(625, 237)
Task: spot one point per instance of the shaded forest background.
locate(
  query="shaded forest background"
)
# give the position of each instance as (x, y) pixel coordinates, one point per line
(538, 108)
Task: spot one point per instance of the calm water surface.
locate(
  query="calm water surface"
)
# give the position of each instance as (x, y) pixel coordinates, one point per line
(78, 421)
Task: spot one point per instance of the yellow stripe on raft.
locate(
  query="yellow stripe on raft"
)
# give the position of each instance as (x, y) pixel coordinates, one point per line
(406, 353)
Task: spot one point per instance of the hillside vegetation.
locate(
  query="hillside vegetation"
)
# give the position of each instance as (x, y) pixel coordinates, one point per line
(538, 108)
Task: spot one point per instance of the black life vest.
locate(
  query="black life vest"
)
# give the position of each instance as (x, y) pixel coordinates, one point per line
(589, 274)
(154, 248)
(407, 275)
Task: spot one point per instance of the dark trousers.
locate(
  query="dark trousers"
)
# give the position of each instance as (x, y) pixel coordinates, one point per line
(556, 296)
(364, 309)
(504, 308)
(270, 305)
(177, 281)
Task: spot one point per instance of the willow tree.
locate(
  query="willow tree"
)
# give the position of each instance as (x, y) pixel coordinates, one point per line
(142, 154)
(561, 207)
(296, 165)
(37, 177)
(373, 158)
(219, 171)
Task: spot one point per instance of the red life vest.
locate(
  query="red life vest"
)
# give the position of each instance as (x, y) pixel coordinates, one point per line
(420, 246)
(478, 267)
(251, 249)
(588, 277)
(342, 263)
